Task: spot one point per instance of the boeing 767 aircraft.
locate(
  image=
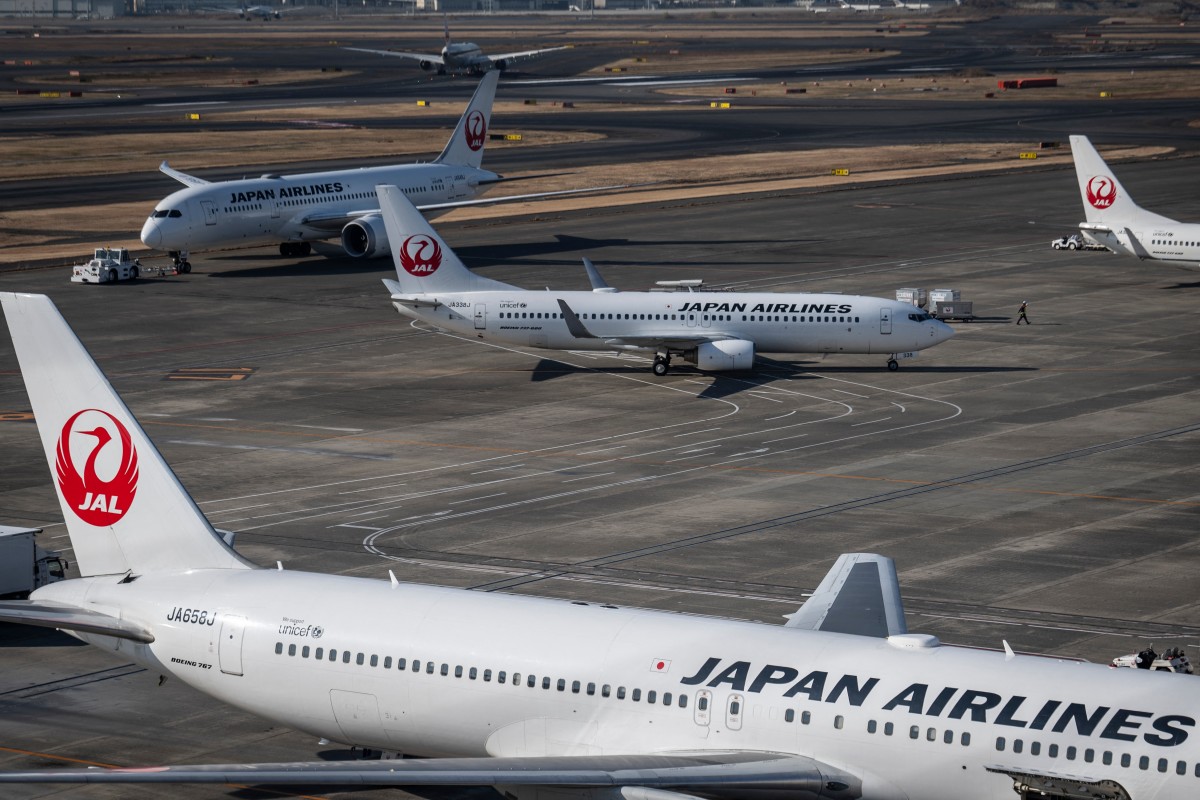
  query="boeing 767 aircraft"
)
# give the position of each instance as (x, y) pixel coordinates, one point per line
(714, 330)
(1121, 225)
(460, 57)
(549, 699)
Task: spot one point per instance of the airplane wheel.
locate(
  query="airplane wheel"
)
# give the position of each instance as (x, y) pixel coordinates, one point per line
(186, 266)
(661, 367)
(893, 365)
(305, 249)
(1072, 246)
(134, 273)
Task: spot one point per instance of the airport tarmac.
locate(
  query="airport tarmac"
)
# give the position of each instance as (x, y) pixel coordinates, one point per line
(1036, 485)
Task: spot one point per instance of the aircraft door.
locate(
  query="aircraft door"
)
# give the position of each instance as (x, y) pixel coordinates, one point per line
(733, 712)
(703, 712)
(229, 647)
(480, 316)
(706, 320)
(210, 212)
(691, 319)
(885, 320)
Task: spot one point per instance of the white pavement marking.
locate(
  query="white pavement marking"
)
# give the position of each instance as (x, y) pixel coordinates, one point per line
(473, 499)
(781, 416)
(872, 422)
(589, 477)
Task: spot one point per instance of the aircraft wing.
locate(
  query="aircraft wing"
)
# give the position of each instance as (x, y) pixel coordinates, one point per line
(859, 595)
(182, 177)
(733, 770)
(430, 57)
(523, 54)
(332, 221)
(70, 618)
(636, 340)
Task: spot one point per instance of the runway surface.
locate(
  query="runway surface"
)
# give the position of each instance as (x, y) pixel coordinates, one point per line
(1036, 485)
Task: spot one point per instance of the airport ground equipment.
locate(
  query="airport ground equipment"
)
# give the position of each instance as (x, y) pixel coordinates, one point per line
(1173, 659)
(913, 296)
(954, 309)
(108, 265)
(25, 566)
(1075, 242)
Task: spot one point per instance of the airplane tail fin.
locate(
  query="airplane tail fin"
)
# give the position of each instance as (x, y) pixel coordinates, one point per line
(465, 147)
(1104, 198)
(424, 263)
(124, 509)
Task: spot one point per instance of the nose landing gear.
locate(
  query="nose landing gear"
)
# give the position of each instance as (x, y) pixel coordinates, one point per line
(662, 364)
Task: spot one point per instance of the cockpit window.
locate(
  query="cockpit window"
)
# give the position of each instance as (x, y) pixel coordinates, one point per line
(159, 213)
(175, 213)
(920, 316)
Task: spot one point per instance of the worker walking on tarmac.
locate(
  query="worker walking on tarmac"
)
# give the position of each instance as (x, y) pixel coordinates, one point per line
(1021, 313)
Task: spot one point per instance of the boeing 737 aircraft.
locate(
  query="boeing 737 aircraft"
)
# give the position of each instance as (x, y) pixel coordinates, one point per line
(295, 210)
(1115, 221)
(549, 699)
(461, 57)
(714, 330)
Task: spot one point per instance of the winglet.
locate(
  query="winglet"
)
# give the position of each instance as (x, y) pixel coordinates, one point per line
(574, 325)
(859, 595)
(594, 276)
(182, 177)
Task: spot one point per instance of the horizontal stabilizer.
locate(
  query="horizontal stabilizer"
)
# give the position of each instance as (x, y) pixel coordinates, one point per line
(859, 595)
(70, 618)
(182, 177)
(412, 301)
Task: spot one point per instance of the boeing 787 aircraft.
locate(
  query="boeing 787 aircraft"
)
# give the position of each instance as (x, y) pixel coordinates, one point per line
(714, 330)
(550, 699)
(1121, 225)
(295, 210)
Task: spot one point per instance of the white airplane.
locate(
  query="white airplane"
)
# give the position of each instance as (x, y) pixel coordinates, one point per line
(295, 210)
(262, 12)
(1115, 221)
(714, 330)
(552, 699)
(462, 57)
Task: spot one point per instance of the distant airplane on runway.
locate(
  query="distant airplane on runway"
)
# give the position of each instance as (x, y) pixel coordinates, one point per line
(549, 699)
(295, 210)
(1115, 221)
(714, 330)
(461, 57)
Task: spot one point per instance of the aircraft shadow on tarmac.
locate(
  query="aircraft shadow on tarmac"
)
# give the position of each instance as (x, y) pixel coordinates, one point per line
(330, 259)
(765, 371)
(29, 636)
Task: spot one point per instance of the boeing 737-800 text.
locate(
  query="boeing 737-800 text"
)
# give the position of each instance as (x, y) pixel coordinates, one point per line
(550, 699)
(713, 330)
(1115, 221)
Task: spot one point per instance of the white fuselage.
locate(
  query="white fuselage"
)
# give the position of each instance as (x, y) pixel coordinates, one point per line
(1158, 240)
(446, 672)
(295, 208)
(464, 55)
(775, 322)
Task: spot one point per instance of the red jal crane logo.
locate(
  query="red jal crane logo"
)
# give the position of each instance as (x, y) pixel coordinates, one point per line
(1101, 191)
(96, 500)
(475, 130)
(420, 255)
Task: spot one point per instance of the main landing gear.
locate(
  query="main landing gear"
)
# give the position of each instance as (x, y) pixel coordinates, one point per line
(295, 249)
(662, 364)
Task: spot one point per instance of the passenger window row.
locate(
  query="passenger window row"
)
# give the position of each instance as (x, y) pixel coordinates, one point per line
(331, 654)
(1071, 753)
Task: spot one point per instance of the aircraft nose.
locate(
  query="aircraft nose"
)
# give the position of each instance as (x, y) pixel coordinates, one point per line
(943, 331)
(151, 234)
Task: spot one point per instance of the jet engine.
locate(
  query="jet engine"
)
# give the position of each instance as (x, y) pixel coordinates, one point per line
(427, 65)
(366, 237)
(500, 64)
(728, 354)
